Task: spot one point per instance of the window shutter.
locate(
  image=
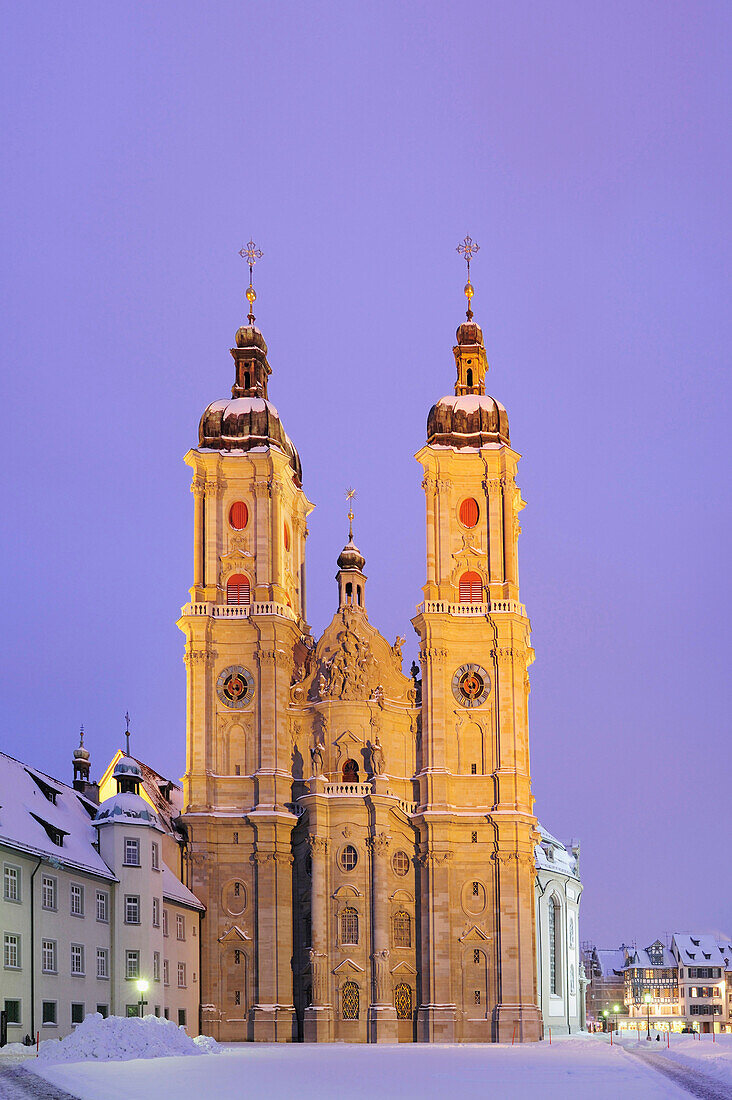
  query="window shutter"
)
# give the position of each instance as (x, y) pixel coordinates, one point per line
(470, 588)
(237, 589)
(469, 512)
(238, 515)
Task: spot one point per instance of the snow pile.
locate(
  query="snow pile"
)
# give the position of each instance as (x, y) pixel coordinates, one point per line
(712, 1058)
(12, 1050)
(120, 1038)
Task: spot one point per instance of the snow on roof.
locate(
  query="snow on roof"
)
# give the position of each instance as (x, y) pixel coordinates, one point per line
(469, 402)
(237, 405)
(36, 808)
(609, 960)
(640, 957)
(174, 890)
(127, 807)
(551, 855)
(701, 949)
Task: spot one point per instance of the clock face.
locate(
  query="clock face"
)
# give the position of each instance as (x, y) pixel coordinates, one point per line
(471, 685)
(235, 687)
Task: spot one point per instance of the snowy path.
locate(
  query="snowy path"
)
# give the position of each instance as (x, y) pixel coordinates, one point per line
(17, 1084)
(571, 1069)
(694, 1081)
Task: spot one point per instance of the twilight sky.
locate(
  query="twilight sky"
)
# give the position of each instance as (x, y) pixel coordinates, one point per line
(585, 146)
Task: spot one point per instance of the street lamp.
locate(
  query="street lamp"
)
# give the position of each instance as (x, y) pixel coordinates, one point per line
(648, 1000)
(142, 987)
(616, 1010)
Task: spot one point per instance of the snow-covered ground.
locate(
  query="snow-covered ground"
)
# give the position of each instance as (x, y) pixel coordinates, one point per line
(582, 1068)
(711, 1058)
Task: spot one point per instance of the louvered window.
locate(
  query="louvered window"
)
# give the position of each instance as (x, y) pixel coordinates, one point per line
(237, 589)
(471, 588)
(238, 515)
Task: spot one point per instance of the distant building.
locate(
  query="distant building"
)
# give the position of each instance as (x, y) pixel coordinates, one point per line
(604, 968)
(91, 902)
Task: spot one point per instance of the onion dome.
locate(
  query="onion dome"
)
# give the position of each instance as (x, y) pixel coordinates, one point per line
(469, 332)
(248, 420)
(126, 807)
(81, 753)
(351, 557)
(127, 768)
(467, 420)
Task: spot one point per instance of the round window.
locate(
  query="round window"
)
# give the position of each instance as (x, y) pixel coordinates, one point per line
(400, 863)
(349, 858)
(469, 512)
(238, 515)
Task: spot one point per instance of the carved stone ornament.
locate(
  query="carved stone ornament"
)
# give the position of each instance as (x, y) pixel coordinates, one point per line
(318, 845)
(200, 656)
(379, 843)
(380, 961)
(436, 858)
(350, 670)
(522, 859)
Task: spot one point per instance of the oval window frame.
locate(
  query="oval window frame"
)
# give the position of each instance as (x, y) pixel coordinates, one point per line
(242, 505)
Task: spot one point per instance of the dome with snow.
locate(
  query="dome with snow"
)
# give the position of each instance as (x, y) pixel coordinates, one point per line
(127, 807)
(125, 768)
(468, 420)
(351, 557)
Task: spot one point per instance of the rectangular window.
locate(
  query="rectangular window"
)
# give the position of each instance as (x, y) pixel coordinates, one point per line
(132, 964)
(77, 900)
(77, 958)
(476, 997)
(237, 996)
(48, 956)
(12, 1010)
(48, 892)
(49, 1014)
(102, 906)
(165, 922)
(11, 883)
(132, 852)
(236, 838)
(180, 927)
(156, 966)
(181, 1017)
(474, 838)
(102, 962)
(77, 1012)
(132, 909)
(156, 912)
(181, 975)
(166, 974)
(473, 769)
(155, 856)
(132, 1010)
(11, 951)
(103, 1011)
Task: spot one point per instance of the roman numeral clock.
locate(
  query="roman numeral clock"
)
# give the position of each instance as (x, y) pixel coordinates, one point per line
(471, 685)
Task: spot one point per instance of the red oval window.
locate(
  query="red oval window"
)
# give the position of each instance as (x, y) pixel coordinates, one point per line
(238, 515)
(469, 512)
(287, 537)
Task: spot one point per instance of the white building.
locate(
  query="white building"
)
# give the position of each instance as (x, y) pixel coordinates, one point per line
(560, 977)
(89, 905)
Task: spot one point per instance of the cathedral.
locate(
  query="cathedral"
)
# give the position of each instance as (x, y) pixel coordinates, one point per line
(363, 838)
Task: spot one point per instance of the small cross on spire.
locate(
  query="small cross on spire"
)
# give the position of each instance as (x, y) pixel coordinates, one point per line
(127, 732)
(251, 254)
(350, 494)
(467, 250)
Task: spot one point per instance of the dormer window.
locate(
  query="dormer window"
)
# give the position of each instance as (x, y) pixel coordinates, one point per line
(56, 836)
(49, 792)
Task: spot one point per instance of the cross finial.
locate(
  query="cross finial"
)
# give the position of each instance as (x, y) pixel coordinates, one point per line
(127, 732)
(467, 250)
(251, 254)
(350, 494)
(81, 737)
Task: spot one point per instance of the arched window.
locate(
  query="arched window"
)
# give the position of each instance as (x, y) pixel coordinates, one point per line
(402, 929)
(350, 772)
(247, 380)
(349, 592)
(237, 589)
(349, 927)
(554, 944)
(358, 591)
(471, 588)
(469, 376)
(403, 1001)
(349, 1001)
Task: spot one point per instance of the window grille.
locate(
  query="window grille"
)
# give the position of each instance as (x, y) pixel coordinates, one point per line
(349, 999)
(238, 590)
(237, 996)
(403, 1001)
(349, 925)
(400, 863)
(476, 997)
(470, 588)
(476, 889)
(474, 838)
(476, 956)
(402, 929)
(349, 858)
(350, 771)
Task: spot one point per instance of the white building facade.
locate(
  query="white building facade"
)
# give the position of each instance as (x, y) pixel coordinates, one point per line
(560, 976)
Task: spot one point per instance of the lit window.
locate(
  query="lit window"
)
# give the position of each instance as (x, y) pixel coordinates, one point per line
(403, 1001)
(402, 929)
(238, 590)
(132, 852)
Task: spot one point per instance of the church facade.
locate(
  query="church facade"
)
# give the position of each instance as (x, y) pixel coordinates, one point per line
(363, 839)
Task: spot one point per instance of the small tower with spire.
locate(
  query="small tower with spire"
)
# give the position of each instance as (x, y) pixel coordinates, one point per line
(82, 765)
(350, 576)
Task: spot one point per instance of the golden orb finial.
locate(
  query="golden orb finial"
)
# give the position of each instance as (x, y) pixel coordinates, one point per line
(467, 249)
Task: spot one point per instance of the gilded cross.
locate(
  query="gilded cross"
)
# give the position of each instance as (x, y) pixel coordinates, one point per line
(467, 250)
(251, 254)
(350, 494)
(127, 731)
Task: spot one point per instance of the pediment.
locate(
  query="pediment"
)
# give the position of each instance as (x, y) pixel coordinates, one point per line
(347, 738)
(401, 895)
(473, 935)
(346, 891)
(403, 968)
(346, 965)
(235, 935)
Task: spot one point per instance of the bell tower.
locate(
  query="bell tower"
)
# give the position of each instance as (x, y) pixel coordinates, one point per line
(246, 630)
(475, 816)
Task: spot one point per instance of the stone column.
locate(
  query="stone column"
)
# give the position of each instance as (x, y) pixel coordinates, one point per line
(509, 539)
(428, 484)
(273, 1014)
(438, 1012)
(318, 1020)
(198, 577)
(382, 1013)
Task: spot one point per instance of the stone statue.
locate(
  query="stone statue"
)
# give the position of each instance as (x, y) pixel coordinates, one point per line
(377, 757)
(316, 756)
(397, 649)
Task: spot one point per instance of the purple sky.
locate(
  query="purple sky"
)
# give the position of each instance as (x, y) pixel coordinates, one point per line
(585, 146)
